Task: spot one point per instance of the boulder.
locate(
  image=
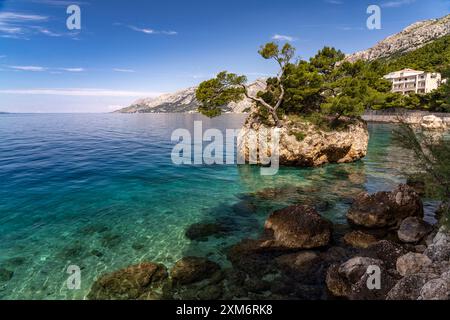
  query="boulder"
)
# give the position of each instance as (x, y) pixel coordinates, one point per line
(436, 289)
(413, 229)
(128, 283)
(385, 209)
(432, 122)
(5, 275)
(358, 239)
(350, 279)
(409, 287)
(439, 249)
(411, 263)
(386, 251)
(298, 227)
(193, 269)
(315, 147)
(201, 231)
(253, 256)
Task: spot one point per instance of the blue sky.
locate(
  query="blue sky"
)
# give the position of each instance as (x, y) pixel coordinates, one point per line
(129, 49)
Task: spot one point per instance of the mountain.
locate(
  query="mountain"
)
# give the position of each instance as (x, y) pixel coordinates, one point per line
(423, 45)
(185, 101)
(411, 38)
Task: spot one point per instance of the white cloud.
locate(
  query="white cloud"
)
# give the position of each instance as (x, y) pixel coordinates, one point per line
(337, 2)
(10, 29)
(397, 3)
(282, 37)
(81, 92)
(123, 70)
(73, 69)
(20, 17)
(149, 30)
(29, 68)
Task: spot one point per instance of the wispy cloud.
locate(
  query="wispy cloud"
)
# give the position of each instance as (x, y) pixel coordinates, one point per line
(20, 25)
(73, 69)
(81, 92)
(62, 3)
(29, 68)
(2, 56)
(282, 37)
(123, 70)
(397, 3)
(41, 69)
(148, 30)
(337, 2)
(7, 17)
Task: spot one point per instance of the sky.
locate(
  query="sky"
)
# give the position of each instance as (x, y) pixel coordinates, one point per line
(127, 50)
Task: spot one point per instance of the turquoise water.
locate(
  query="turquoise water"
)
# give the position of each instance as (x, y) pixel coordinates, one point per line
(101, 192)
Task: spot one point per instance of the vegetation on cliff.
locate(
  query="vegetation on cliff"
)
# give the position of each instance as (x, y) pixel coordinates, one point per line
(329, 86)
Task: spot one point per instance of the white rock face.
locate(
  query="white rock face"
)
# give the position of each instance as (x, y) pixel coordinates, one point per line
(185, 101)
(432, 122)
(411, 38)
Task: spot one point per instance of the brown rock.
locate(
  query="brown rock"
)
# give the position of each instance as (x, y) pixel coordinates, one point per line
(299, 227)
(193, 269)
(359, 239)
(411, 263)
(413, 229)
(386, 251)
(385, 209)
(128, 283)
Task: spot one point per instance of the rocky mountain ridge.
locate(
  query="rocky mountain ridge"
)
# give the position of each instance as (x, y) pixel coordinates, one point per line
(411, 38)
(184, 101)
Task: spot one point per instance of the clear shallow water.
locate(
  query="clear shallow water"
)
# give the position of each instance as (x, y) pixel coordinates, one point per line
(101, 192)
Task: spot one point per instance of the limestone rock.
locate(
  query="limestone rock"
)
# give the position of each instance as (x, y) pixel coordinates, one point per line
(411, 38)
(193, 269)
(318, 147)
(385, 209)
(358, 239)
(413, 229)
(128, 283)
(298, 227)
(411, 263)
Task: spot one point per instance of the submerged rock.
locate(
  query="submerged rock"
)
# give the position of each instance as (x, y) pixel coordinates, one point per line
(5, 275)
(385, 209)
(359, 239)
(413, 229)
(193, 269)
(128, 283)
(298, 227)
(201, 231)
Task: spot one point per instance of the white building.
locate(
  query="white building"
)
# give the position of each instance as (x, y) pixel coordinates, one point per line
(408, 81)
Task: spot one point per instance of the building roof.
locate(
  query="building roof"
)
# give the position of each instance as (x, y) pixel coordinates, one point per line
(403, 73)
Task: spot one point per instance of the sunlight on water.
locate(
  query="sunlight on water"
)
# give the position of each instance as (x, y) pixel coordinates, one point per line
(100, 192)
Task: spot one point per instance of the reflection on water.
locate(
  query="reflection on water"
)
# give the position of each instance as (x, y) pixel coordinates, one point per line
(100, 191)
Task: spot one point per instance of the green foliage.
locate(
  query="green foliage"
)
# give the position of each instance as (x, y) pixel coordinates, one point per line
(431, 154)
(219, 91)
(299, 135)
(326, 84)
(433, 57)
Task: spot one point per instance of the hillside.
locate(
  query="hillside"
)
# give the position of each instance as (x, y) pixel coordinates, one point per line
(411, 38)
(423, 45)
(185, 101)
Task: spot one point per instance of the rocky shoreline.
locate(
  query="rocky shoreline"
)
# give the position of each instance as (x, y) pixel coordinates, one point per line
(301, 255)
